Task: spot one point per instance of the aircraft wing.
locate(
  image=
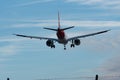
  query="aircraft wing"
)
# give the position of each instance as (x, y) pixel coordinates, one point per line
(36, 37)
(87, 35)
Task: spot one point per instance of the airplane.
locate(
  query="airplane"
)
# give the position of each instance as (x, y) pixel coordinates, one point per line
(61, 36)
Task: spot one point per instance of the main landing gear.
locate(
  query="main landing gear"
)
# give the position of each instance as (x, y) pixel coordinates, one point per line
(72, 45)
(52, 46)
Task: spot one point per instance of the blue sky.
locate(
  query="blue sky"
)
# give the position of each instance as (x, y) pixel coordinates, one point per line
(22, 58)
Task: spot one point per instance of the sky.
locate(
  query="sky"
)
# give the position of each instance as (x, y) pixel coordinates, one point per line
(31, 59)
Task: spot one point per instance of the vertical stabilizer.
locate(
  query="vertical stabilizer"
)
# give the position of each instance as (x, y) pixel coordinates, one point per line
(58, 20)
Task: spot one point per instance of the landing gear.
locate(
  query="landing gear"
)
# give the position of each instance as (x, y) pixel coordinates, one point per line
(64, 47)
(72, 45)
(52, 46)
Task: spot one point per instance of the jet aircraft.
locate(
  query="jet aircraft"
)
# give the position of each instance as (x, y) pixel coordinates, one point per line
(61, 36)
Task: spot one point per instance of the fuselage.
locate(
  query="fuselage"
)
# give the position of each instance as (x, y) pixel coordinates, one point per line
(61, 36)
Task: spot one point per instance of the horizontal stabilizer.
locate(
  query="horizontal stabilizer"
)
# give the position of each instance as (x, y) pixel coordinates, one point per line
(50, 29)
(68, 28)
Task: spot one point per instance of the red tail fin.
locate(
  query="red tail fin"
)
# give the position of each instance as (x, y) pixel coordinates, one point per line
(58, 20)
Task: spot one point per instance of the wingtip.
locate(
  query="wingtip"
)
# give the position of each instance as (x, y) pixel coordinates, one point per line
(73, 26)
(108, 30)
(45, 28)
(14, 34)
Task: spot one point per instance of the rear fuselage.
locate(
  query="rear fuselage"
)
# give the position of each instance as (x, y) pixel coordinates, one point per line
(61, 36)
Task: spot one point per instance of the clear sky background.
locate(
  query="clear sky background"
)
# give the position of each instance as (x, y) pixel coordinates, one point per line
(26, 59)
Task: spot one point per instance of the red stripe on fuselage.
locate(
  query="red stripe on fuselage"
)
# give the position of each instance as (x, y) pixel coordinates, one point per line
(60, 34)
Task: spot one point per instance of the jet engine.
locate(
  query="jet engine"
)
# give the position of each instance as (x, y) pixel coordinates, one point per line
(50, 43)
(77, 42)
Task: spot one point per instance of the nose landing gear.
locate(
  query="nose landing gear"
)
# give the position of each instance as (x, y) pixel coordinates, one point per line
(64, 47)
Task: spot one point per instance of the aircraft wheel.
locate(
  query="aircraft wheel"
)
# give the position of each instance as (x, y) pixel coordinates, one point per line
(64, 48)
(72, 45)
(52, 46)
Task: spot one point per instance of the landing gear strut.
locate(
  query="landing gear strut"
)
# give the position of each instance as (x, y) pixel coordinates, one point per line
(64, 47)
(72, 45)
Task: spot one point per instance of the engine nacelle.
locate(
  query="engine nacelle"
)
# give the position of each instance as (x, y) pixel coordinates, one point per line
(49, 43)
(77, 42)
